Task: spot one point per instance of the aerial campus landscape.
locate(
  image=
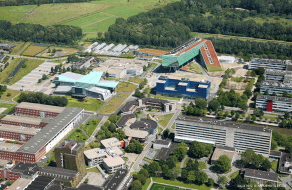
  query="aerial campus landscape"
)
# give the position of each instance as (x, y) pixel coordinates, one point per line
(145, 95)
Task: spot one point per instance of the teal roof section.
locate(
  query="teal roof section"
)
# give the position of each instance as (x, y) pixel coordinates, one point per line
(65, 79)
(92, 78)
(108, 84)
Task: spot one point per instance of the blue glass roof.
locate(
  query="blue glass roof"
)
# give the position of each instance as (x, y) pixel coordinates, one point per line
(108, 84)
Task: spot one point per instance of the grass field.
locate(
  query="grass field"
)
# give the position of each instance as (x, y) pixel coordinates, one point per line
(123, 95)
(274, 165)
(33, 50)
(9, 98)
(233, 175)
(124, 87)
(176, 183)
(91, 126)
(101, 26)
(89, 104)
(77, 135)
(49, 14)
(94, 169)
(89, 35)
(10, 108)
(165, 119)
(15, 13)
(88, 19)
(193, 67)
(109, 108)
(213, 68)
(124, 11)
(116, 100)
(283, 21)
(136, 80)
(31, 64)
(165, 97)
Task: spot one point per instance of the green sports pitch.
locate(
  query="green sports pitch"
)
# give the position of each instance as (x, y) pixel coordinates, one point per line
(156, 186)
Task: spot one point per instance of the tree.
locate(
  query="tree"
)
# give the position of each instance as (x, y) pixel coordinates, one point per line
(253, 185)
(269, 186)
(49, 50)
(238, 183)
(253, 74)
(64, 70)
(232, 113)
(274, 144)
(180, 151)
(220, 114)
(184, 174)
(266, 165)
(136, 185)
(223, 164)
(202, 178)
(243, 106)
(197, 150)
(287, 115)
(165, 133)
(150, 108)
(9, 183)
(201, 103)
(192, 176)
(87, 180)
(213, 104)
(54, 51)
(226, 114)
(237, 116)
(222, 181)
(285, 94)
(274, 94)
(52, 69)
(266, 92)
(247, 92)
(253, 118)
(248, 118)
(44, 77)
(210, 182)
(99, 34)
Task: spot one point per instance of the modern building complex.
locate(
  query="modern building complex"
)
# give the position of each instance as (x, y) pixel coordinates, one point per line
(261, 177)
(183, 87)
(119, 68)
(275, 87)
(69, 155)
(150, 52)
(85, 85)
(274, 103)
(18, 133)
(277, 64)
(110, 142)
(188, 51)
(223, 150)
(278, 75)
(83, 64)
(239, 136)
(38, 141)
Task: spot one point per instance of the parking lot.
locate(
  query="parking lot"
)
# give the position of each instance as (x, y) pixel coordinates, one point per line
(94, 178)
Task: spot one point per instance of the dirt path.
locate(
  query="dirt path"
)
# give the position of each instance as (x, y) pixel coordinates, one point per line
(97, 21)
(26, 15)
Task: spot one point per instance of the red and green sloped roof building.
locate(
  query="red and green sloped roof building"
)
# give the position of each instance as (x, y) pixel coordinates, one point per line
(191, 49)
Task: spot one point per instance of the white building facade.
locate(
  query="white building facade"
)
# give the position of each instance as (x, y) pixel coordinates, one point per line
(277, 64)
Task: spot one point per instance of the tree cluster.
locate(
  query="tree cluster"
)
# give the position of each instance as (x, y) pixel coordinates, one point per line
(232, 99)
(199, 150)
(3, 89)
(249, 159)
(108, 129)
(135, 147)
(139, 94)
(139, 179)
(143, 83)
(72, 58)
(41, 98)
(58, 34)
(180, 151)
(281, 140)
(223, 164)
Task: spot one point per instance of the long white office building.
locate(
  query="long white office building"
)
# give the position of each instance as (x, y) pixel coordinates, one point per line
(239, 136)
(277, 87)
(278, 64)
(278, 75)
(274, 103)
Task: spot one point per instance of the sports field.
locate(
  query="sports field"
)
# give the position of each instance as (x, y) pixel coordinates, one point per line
(33, 50)
(156, 186)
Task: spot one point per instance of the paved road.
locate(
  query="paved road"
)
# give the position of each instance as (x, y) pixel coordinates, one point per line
(8, 102)
(177, 112)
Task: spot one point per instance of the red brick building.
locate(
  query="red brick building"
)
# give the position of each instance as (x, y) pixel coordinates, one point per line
(37, 110)
(18, 133)
(23, 121)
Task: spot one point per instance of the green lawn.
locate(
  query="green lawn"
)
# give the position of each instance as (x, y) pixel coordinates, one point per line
(136, 80)
(94, 169)
(9, 98)
(145, 186)
(77, 135)
(159, 130)
(88, 104)
(274, 165)
(185, 163)
(213, 68)
(124, 95)
(116, 100)
(10, 107)
(179, 183)
(124, 11)
(108, 108)
(202, 165)
(165, 97)
(91, 126)
(126, 87)
(88, 19)
(233, 175)
(164, 119)
(173, 126)
(193, 67)
(31, 64)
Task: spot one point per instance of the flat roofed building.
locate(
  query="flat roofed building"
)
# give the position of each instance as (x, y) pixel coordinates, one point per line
(275, 87)
(277, 75)
(223, 150)
(239, 136)
(22, 121)
(110, 142)
(20, 183)
(182, 87)
(124, 119)
(277, 64)
(164, 153)
(40, 182)
(18, 133)
(7, 47)
(226, 59)
(158, 144)
(122, 179)
(136, 134)
(94, 157)
(261, 177)
(112, 164)
(285, 163)
(274, 103)
(145, 125)
(37, 110)
(150, 52)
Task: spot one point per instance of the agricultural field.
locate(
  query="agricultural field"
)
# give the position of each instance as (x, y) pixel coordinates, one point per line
(60, 13)
(60, 50)
(34, 50)
(15, 13)
(124, 11)
(30, 65)
(101, 26)
(88, 19)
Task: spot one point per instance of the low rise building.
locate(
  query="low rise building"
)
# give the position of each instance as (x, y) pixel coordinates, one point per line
(21, 183)
(23, 121)
(7, 47)
(261, 177)
(145, 125)
(183, 87)
(275, 87)
(276, 64)
(239, 136)
(226, 59)
(274, 103)
(164, 152)
(83, 64)
(150, 52)
(278, 75)
(223, 150)
(112, 164)
(158, 144)
(111, 142)
(285, 164)
(18, 133)
(139, 135)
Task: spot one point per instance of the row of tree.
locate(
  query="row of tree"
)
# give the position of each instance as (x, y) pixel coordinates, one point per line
(41, 98)
(58, 34)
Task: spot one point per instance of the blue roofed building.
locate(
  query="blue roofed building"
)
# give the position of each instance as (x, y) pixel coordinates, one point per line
(90, 85)
(183, 87)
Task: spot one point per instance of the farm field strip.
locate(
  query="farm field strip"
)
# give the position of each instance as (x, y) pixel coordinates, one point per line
(34, 50)
(15, 13)
(101, 26)
(87, 20)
